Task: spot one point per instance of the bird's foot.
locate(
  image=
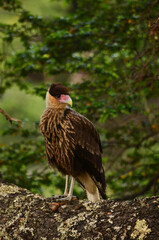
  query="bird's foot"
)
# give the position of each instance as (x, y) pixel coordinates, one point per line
(58, 196)
(63, 198)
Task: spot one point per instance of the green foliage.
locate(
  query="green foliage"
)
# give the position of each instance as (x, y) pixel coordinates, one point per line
(113, 45)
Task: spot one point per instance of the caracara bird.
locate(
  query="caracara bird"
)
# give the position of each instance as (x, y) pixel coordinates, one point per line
(72, 144)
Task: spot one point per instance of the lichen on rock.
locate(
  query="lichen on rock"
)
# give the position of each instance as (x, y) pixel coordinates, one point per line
(141, 230)
(25, 215)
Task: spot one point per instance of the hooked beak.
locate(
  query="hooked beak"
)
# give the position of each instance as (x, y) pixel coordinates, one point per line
(65, 99)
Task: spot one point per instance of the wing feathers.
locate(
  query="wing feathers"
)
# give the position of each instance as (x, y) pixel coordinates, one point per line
(88, 149)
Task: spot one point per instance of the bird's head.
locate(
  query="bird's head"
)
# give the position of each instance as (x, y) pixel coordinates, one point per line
(58, 96)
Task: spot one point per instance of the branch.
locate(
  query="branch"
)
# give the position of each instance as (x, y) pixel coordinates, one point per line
(28, 216)
(8, 117)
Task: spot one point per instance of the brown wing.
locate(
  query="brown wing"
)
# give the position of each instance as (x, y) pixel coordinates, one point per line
(88, 150)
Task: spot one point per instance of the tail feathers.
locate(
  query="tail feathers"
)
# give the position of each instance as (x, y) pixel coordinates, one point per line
(93, 197)
(90, 187)
(100, 187)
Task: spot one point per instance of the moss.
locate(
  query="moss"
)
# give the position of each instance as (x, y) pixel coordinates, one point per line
(67, 228)
(29, 216)
(140, 230)
(8, 189)
(87, 221)
(91, 206)
(123, 237)
(17, 211)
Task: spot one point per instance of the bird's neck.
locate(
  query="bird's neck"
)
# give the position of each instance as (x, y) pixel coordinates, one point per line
(54, 104)
(56, 114)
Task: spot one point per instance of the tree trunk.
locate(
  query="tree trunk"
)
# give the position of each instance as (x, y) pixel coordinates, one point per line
(29, 216)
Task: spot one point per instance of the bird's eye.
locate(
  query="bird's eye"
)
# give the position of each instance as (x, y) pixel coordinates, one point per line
(58, 96)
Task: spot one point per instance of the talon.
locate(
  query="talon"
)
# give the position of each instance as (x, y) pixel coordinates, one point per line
(58, 196)
(66, 198)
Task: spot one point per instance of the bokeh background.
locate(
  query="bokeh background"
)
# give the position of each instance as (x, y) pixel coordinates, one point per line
(106, 51)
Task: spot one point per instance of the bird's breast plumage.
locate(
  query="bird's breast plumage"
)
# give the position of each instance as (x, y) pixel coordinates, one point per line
(59, 141)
